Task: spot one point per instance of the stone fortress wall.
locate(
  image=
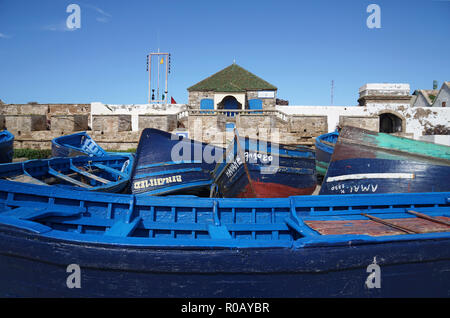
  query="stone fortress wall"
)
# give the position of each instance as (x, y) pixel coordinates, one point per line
(118, 127)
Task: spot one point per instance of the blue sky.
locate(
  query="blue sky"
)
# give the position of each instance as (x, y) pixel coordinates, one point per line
(298, 46)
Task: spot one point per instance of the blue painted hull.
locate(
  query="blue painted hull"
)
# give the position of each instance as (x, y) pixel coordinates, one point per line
(137, 246)
(423, 177)
(6, 146)
(171, 164)
(283, 172)
(368, 162)
(421, 269)
(77, 144)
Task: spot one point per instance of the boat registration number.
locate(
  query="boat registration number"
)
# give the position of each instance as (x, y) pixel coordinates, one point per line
(156, 182)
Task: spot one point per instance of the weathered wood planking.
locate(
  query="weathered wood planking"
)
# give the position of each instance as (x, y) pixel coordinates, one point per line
(372, 228)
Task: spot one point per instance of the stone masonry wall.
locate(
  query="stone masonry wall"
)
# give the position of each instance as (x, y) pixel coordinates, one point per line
(196, 97)
(35, 125)
(69, 123)
(268, 103)
(370, 123)
(161, 122)
(207, 128)
(18, 124)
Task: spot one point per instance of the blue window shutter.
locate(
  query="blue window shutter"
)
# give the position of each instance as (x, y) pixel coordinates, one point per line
(255, 104)
(207, 103)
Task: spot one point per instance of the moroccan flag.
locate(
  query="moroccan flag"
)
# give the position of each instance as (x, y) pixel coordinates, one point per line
(172, 101)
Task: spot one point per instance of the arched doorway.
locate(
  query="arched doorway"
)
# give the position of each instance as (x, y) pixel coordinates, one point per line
(390, 123)
(231, 103)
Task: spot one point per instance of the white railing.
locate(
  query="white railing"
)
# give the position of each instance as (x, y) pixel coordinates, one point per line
(232, 113)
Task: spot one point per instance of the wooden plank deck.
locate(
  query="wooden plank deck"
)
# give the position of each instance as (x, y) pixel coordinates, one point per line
(372, 228)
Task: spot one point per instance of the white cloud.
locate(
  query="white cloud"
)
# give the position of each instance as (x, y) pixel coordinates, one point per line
(104, 16)
(102, 19)
(60, 27)
(4, 36)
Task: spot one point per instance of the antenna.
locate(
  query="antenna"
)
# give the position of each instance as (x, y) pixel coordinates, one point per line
(332, 91)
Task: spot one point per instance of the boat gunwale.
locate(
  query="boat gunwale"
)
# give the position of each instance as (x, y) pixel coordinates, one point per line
(394, 151)
(325, 144)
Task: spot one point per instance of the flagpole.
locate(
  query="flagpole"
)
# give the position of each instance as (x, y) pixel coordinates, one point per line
(157, 92)
(167, 74)
(150, 56)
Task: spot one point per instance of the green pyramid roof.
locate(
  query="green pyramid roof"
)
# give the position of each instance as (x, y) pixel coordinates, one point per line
(232, 79)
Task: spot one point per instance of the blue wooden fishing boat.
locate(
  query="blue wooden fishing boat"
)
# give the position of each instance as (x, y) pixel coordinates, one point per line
(364, 161)
(108, 174)
(77, 144)
(259, 169)
(171, 164)
(6, 146)
(324, 149)
(56, 243)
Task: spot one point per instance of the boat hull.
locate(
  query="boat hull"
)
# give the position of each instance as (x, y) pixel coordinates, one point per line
(282, 183)
(263, 174)
(111, 175)
(170, 164)
(362, 164)
(407, 269)
(117, 245)
(6, 146)
(356, 176)
(77, 144)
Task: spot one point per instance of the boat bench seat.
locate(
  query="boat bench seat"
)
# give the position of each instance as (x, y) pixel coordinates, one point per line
(110, 170)
(123, 229)
(28, 213)
(67, 178)
(89, 175)
(218, 232)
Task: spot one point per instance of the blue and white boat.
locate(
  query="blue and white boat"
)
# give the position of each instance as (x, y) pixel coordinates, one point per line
(77, 144)
(171, 164)
(57, 243)
(324, 149)
(108, 174)
(6, 146)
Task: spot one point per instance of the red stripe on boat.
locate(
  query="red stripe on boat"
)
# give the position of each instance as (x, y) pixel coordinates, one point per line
(273, 190)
